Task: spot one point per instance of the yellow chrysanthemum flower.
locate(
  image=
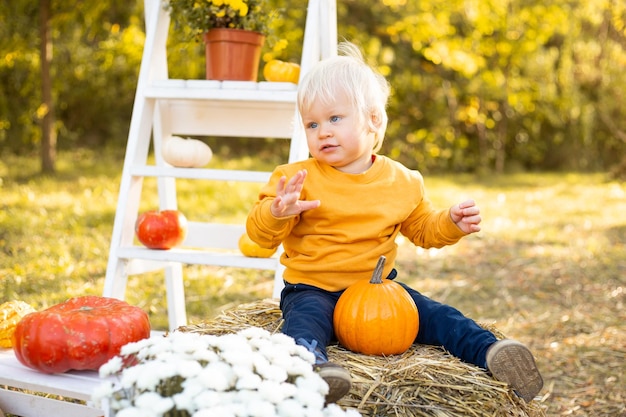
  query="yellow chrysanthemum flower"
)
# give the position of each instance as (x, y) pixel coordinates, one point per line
(204, 15)
(240, 6)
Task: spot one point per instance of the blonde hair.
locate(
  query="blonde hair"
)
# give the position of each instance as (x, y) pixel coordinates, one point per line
(367, 89)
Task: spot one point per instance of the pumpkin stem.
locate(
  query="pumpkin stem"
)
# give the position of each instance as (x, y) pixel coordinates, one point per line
(377, 276)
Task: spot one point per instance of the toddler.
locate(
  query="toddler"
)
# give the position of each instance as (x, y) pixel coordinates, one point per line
(337, 212)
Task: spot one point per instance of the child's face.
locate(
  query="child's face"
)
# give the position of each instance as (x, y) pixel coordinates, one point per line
(337, 136)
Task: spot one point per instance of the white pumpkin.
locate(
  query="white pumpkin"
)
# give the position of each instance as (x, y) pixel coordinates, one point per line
(185, 153)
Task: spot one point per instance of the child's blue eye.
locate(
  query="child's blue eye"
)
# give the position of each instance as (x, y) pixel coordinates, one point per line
(312, 125)
(335, 119)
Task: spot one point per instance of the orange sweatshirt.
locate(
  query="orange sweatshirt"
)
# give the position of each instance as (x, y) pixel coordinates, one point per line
(360, 215)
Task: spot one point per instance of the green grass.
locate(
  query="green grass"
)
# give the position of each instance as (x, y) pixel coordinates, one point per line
(549, 267)
(55, 234)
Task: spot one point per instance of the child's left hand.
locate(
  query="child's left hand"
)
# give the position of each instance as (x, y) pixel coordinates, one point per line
(466, 215)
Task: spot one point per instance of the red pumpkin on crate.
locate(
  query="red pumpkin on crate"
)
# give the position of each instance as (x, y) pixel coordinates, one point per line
(161, 229)
(376, 317)
(81, 333)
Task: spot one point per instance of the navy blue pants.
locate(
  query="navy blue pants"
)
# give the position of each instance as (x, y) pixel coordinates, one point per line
(308, 318)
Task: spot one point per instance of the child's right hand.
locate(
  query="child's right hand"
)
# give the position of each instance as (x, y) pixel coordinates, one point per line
(287, 201)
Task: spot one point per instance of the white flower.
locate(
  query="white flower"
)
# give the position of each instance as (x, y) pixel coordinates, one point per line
(159, 348)
(313, 382)
(134, 347)
(208, 399)
(267, 370)
(191, 387)
(113, 366)
(203, 353)
(254, 333)
(248, 374)
(228, 342)
(260, 409)
(296, 366)
(148, 377)
(310, 399)
(129, 376)
(241, 356)
(333, 410)
(220, 410)
(154, 402)
(273, 391)
(313, 412)
(134, 412)
(122, 404)
(217, 376)
(274, 354)
(290, 408)
(185, 400)
(104, 390)
(246, 379)
(187, 368)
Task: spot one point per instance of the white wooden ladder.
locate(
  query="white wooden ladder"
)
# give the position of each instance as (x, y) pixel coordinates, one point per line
(165, 107)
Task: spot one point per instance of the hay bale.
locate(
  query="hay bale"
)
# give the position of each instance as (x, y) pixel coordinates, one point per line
(425, 381)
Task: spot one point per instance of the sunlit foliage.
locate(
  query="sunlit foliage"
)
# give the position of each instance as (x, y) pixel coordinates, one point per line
(478, 85)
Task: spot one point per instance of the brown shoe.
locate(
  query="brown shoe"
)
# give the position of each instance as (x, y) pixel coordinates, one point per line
(511, 362)
(337, 378)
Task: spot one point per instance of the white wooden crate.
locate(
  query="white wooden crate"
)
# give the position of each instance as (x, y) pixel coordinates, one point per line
(72, 385)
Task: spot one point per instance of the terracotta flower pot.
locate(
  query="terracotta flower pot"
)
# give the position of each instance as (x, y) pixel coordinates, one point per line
(233, 54)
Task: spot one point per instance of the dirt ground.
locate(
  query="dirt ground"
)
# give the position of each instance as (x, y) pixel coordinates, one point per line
(569, 310)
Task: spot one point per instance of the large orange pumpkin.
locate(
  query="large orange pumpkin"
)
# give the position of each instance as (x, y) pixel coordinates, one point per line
(376, 317)
(80, 333)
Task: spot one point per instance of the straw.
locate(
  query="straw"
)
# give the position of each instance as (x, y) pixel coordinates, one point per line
(425, 381)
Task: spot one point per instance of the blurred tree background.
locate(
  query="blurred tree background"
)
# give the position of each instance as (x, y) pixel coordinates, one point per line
(478, 86)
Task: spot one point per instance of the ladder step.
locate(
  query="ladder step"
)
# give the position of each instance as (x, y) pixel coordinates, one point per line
(250, 115)
(222, 90)
(192, 257)
(200, 173)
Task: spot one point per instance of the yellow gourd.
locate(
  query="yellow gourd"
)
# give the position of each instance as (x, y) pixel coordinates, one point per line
(252, 249)
(11, 313)
(185, 153)
(281, 71)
